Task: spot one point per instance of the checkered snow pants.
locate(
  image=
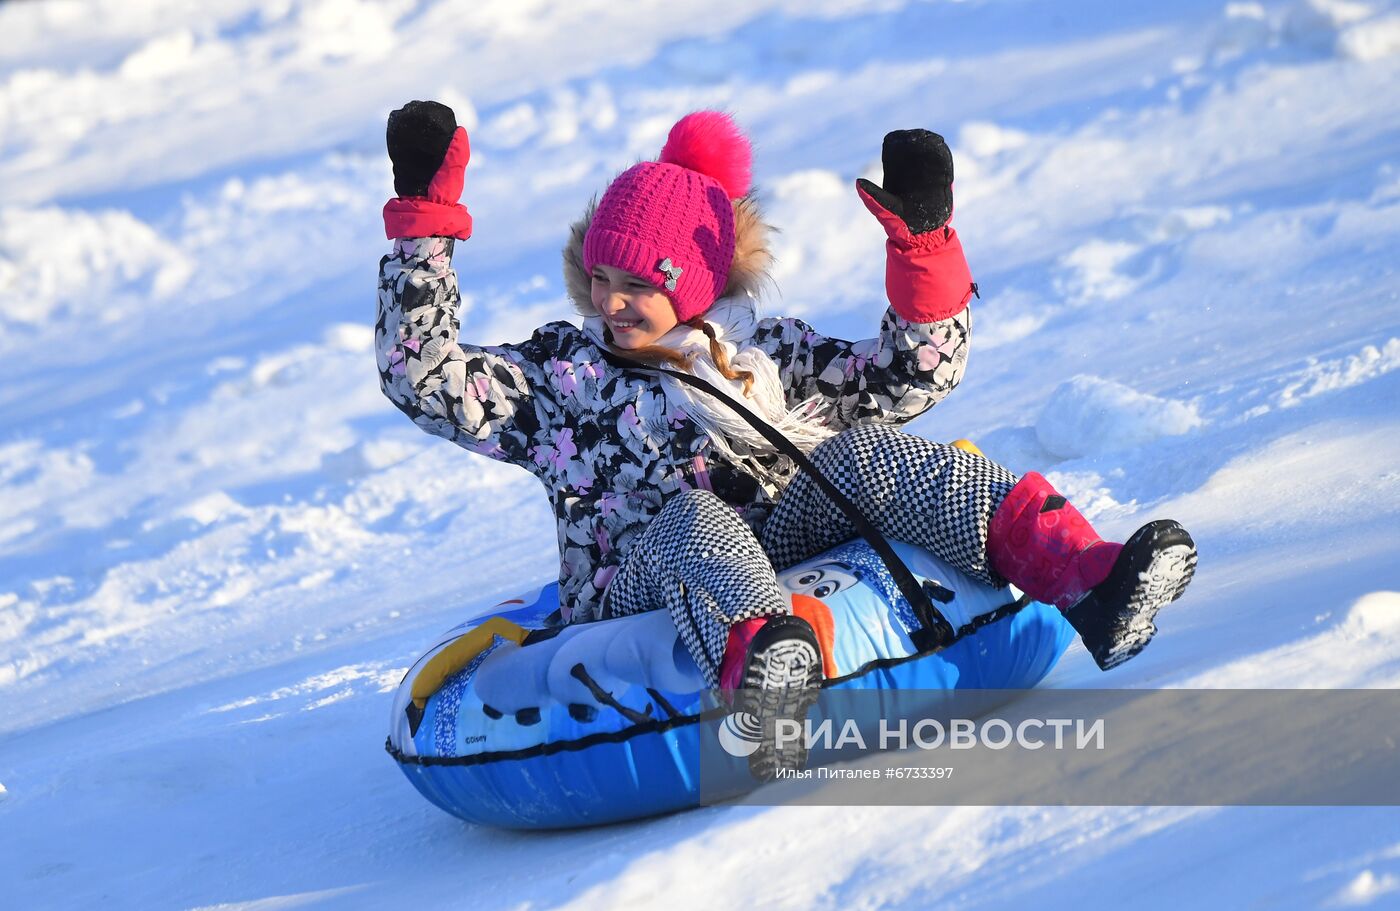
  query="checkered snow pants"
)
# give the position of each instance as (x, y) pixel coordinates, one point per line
(700, 561)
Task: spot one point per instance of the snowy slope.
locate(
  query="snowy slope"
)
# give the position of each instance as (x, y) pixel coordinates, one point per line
(1185, 219)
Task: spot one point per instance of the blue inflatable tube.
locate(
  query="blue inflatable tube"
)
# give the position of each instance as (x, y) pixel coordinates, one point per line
(542, 726)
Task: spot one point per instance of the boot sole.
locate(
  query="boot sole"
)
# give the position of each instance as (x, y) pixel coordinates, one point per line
(1158, 575)
(782, 682)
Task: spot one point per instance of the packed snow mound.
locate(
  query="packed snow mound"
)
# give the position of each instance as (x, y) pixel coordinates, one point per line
(1329, 376)
(1359, 31)
(1366, 888)
(1089, 414)
(1375, 614)
(105, 265)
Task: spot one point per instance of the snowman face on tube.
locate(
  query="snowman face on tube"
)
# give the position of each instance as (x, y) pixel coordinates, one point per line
(819, 580)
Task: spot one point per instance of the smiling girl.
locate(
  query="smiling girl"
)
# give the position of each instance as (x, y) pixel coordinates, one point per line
(665, 498)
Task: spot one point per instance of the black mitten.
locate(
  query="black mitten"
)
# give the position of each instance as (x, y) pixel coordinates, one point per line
(918, 179)
(418, 136)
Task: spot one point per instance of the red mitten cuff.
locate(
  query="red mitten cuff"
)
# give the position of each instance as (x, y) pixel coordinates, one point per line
(926, 276)
(418, 216)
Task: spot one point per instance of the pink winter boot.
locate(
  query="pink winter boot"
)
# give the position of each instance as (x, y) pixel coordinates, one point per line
(1110, 593)
(772, 669)
(736, 654)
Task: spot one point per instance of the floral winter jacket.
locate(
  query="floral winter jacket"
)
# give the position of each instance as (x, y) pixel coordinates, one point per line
(604, 442)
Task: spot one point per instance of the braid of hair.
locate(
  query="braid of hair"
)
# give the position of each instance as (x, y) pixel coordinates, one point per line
(721, 359)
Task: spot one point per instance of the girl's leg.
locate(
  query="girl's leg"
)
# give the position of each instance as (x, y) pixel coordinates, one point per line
(703, 564)
(700, 561)
(992, 526)
(932, 495)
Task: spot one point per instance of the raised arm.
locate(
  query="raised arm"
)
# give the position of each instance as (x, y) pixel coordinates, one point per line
(492, 400)
(892, 378)
(921, 351)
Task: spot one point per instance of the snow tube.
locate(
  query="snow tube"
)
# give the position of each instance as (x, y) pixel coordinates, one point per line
(512, 720)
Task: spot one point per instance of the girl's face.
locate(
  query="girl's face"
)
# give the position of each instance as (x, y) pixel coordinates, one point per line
(638, 313)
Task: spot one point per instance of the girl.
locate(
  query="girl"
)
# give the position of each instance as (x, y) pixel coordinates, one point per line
(664, 496)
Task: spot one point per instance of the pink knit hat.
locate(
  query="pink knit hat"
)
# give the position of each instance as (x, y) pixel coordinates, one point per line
(672, 221)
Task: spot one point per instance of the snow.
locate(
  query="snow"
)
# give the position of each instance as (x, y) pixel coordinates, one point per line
(1366, 888)
(1329, 376)
(1089, 414)
(1376, 614)
(1185, 221)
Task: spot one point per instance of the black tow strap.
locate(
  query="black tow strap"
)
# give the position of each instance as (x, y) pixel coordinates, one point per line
(935, 631)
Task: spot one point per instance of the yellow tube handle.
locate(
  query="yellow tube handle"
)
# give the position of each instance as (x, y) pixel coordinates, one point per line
(968, 446)
(459, 653)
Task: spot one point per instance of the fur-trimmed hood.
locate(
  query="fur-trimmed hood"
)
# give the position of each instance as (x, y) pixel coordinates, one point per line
(747, 274)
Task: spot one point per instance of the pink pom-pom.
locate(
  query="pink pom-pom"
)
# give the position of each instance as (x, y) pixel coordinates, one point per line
(711, 142)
